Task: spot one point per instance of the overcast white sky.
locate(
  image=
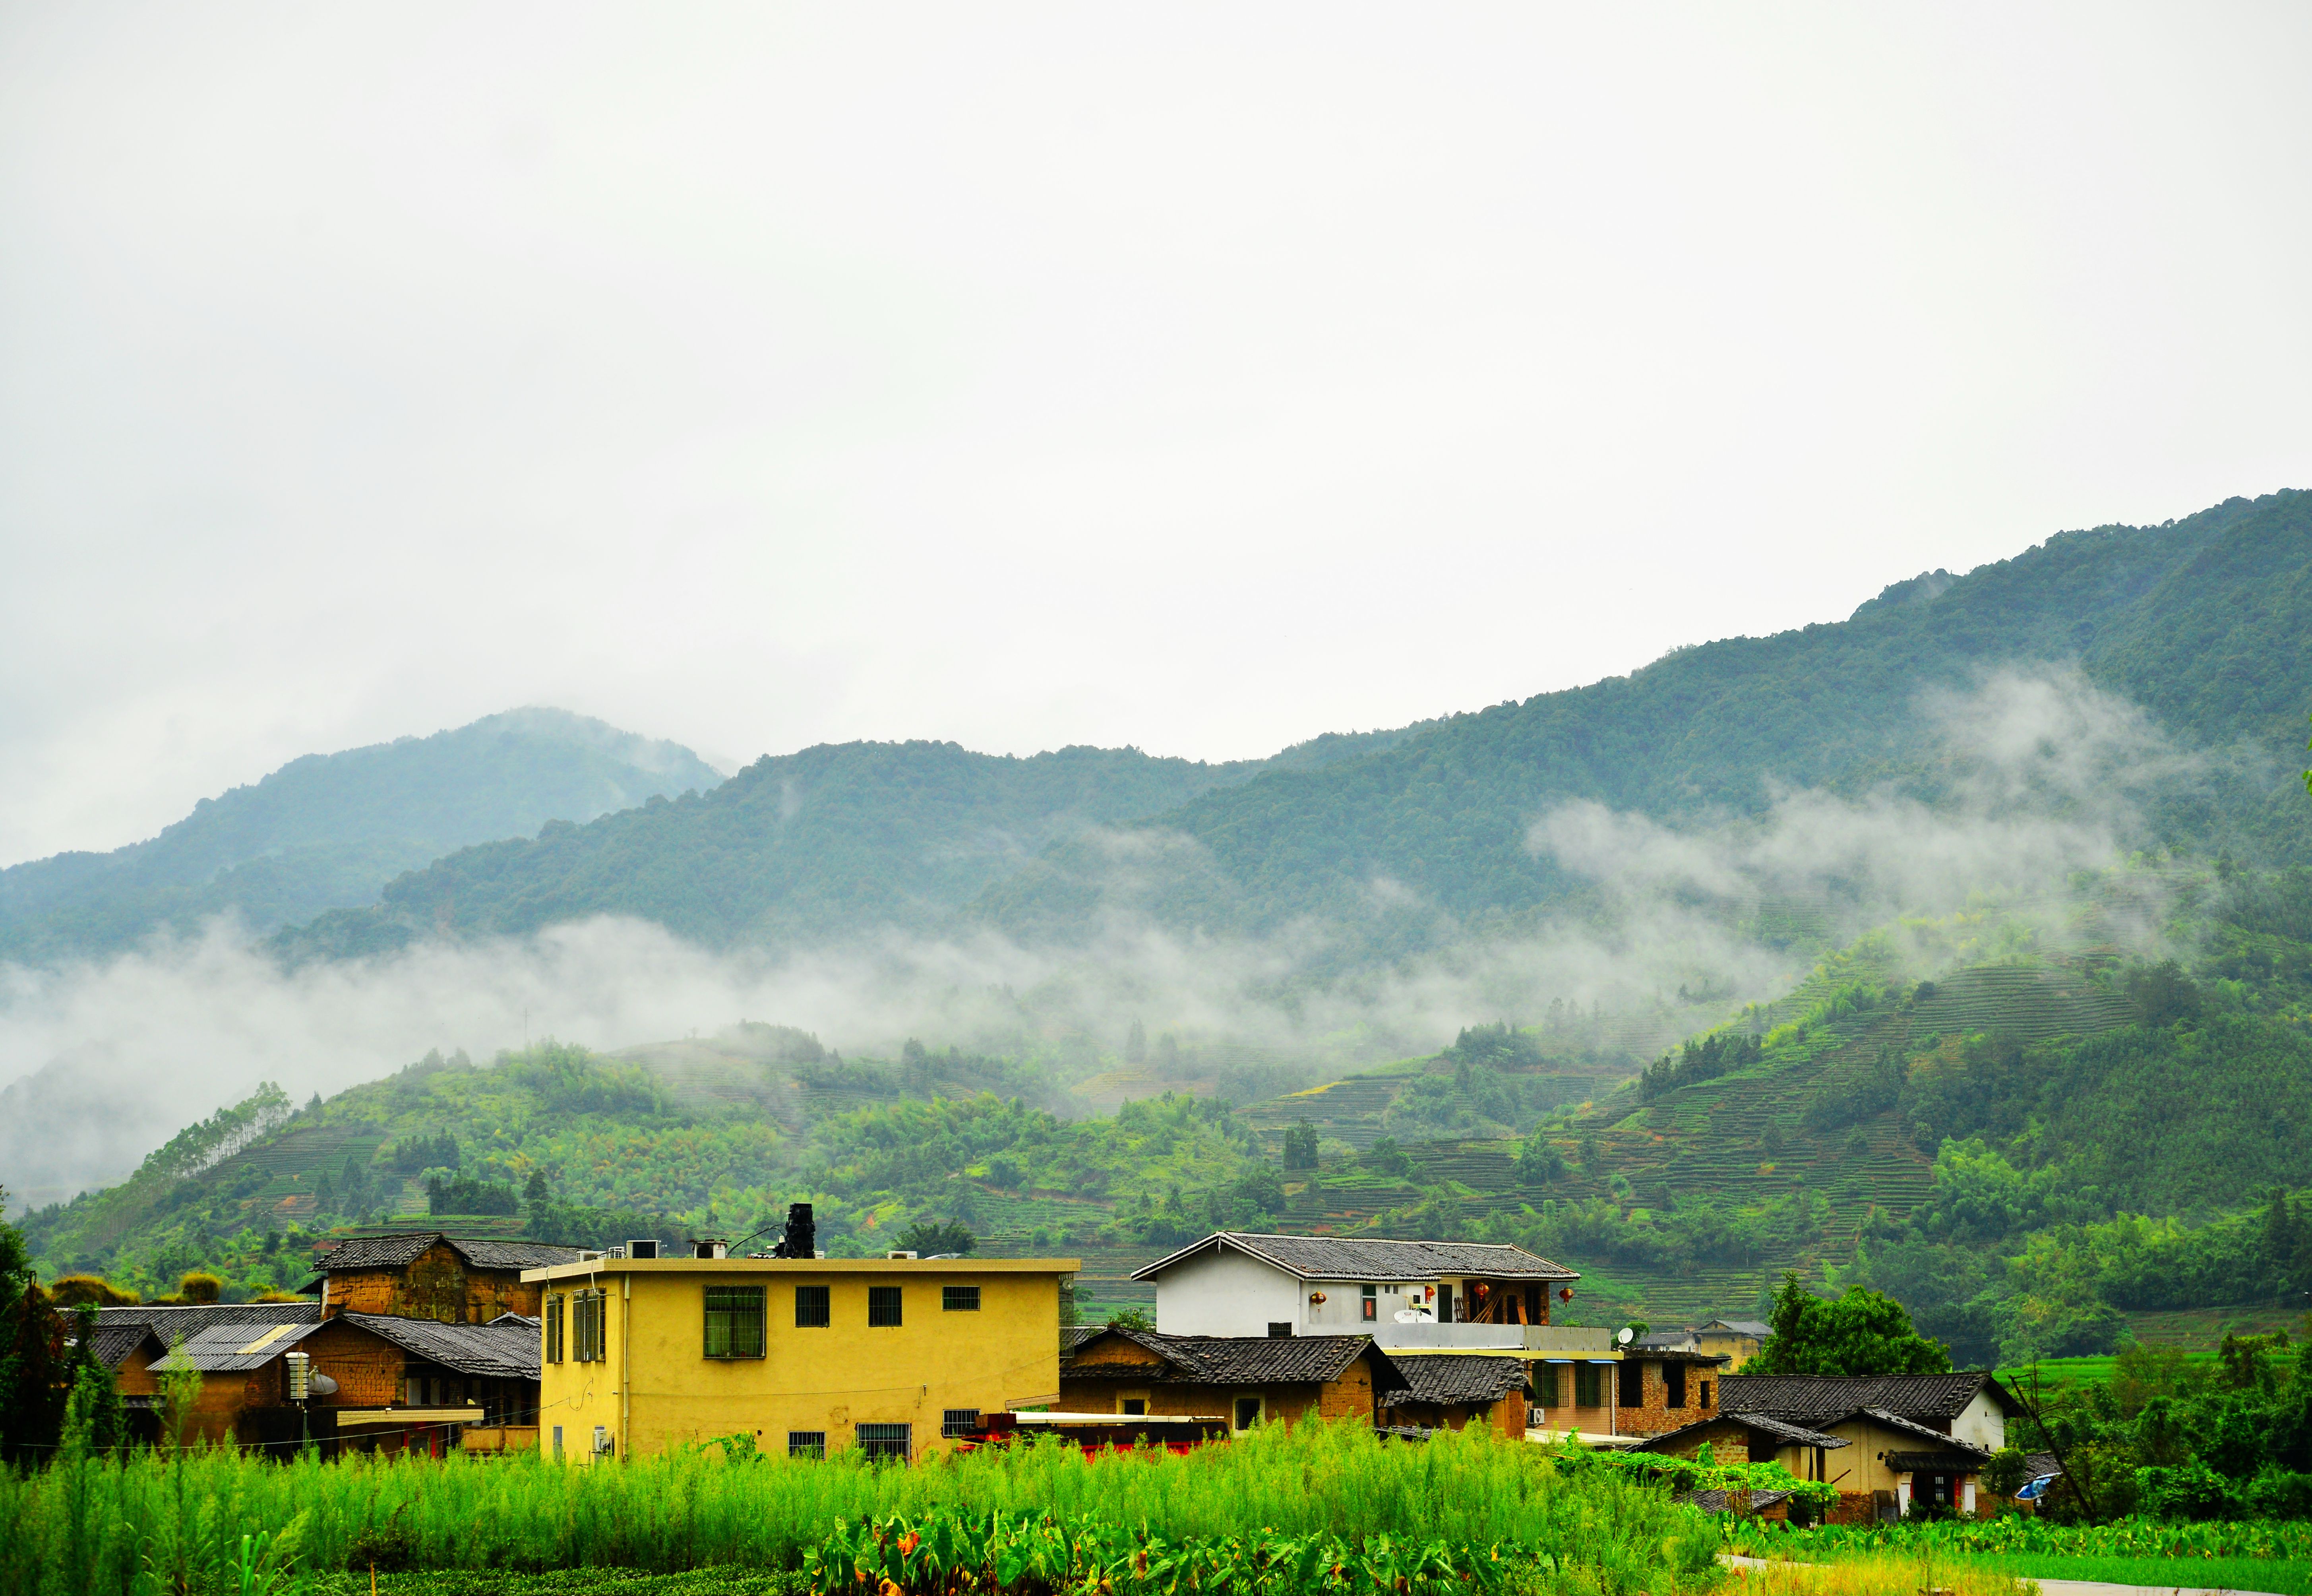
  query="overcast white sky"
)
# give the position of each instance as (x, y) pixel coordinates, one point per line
(1197, 377)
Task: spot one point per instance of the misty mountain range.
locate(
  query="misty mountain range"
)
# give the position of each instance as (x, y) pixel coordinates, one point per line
(328, 830)
(2204, 623)
(527, 819)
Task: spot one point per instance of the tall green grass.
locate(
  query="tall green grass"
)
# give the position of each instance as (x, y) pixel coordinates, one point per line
(91, 1525)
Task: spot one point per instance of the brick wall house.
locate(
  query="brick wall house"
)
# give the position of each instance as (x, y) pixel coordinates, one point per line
(427, 1275)
(1449, 1392)
(1247, 1379)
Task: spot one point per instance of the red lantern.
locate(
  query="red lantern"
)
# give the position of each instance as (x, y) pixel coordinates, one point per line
(1564, 1293)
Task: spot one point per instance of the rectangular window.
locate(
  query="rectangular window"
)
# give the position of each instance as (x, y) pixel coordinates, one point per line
(557, 1443)
(959, 1423)
(1632, 1383)
(959, 1299)
(886, 1441)
(1706, 1393)
(1674, 1385)
(807, 1444)
(1372, 1308)
(810, 1308)
(1134, 1406)
(1586, 1384)
(1544, 1385)
(882, 1308)
(587, 1326)
(734, 1322)
(554, 1328)
(1247, 1412)
(1279, 1328)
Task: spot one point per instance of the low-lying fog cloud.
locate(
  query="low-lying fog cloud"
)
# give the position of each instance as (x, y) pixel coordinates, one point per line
(109, 1059)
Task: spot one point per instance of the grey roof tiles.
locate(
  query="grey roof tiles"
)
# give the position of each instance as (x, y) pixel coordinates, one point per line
(1349, 1258)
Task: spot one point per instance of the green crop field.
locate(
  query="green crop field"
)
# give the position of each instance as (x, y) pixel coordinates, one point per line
(1313, 1507)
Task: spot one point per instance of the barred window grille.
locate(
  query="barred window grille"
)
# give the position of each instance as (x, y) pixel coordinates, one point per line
(554, 1328)
(959, 1299)
(882, 1305)
(958, 1423)
(734, 1322)
(587, 1316)
(886, 1441)
(1588, 1390)
(810, 1308)
(805, 1443)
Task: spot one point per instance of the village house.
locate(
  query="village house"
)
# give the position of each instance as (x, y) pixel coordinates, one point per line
(895, 1356)
(1245, 1379)
(1910, 1438)
(400, 1383)
(1752, 1438)
(422, 1385)
(1451, 1394)
(428, 1274)
(1421, 1302)
(1739, 1340)
(235, 1346)
(1403, 1294)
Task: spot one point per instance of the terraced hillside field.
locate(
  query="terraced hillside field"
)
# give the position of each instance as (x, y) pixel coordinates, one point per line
(1747, 1139)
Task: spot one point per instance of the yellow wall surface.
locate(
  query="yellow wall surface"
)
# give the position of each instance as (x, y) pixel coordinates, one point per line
(655, 1387)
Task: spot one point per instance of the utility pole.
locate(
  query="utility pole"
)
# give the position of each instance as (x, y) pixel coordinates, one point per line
(301, 1391)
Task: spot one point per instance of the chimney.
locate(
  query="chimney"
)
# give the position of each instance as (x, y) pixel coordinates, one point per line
(802, 1239)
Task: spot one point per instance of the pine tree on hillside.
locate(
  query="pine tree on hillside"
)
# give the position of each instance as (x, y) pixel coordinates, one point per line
(1300, 1146)
(2279, 1238)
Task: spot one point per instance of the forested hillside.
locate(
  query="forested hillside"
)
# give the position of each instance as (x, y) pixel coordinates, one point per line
(2205, 622)
(834, 839)
(328, 830)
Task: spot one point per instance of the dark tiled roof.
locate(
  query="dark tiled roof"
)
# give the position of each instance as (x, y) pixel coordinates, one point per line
(514, 1255)
(1811, 1398)
(1742, 1326)
(1345, 1257)
(1455, 1381)
(1896, 1421)
(169, 1324)
(110, 1343)
(1785, 1435)
(399, 1252)
(2038, 1465)
(1241, 1360)
(505, 1348)
(1790, 1434)
(1949, 1459)
(1075, 1335)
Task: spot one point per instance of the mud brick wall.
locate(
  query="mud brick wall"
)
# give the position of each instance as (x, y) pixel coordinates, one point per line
(368, 1369)
(436, 1286)
(1652, 1414)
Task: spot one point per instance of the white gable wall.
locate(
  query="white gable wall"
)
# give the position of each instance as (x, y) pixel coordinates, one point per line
(1224, 1292)
(1982, 1421)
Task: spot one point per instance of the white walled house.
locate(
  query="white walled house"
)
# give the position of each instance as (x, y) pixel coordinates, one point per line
(1443, 1294)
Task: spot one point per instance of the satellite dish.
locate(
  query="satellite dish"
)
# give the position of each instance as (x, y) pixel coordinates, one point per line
(1627, 1335)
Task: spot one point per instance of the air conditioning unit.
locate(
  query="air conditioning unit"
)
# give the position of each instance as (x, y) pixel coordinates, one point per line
(896, 1253)
(642, 1249)
(711, 1248)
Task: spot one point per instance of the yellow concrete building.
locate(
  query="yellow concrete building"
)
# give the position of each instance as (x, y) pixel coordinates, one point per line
(896, 1356)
